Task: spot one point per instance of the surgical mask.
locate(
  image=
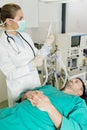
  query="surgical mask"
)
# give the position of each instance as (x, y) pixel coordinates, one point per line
(22, 25)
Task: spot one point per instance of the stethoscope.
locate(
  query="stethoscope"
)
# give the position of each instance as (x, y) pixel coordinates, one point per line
(9, 37)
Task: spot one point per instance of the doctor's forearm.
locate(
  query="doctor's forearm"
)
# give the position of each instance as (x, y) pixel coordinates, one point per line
(55, 116)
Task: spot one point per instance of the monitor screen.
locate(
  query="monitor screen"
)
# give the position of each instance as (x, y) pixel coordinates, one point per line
(75, 41)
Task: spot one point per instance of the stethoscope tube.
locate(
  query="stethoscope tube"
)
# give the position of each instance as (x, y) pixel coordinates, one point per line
(22, 38)
(27, 43)
(9, 37)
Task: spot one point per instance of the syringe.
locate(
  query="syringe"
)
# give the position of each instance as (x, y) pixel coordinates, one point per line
(49, 30)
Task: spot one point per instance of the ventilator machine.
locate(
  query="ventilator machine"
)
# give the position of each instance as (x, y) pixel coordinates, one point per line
(68, 60)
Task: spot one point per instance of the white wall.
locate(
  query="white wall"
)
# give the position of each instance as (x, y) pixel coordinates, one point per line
(77, 16)
(76, 19)
(48, 12)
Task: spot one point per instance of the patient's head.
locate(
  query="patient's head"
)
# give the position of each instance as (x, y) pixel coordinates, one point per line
(77, 87)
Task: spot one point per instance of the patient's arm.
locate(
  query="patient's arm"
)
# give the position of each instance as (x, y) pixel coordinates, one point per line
(43, 103)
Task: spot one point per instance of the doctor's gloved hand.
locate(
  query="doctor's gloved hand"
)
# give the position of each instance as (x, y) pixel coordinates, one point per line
(49, 40)
(38, 61)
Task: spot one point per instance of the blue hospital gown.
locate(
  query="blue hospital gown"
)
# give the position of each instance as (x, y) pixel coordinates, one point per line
(24, 116)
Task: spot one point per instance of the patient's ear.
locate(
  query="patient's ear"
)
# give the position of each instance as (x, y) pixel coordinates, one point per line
(80, 93)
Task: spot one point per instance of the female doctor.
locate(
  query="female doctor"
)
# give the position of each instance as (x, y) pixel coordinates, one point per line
(18, 55)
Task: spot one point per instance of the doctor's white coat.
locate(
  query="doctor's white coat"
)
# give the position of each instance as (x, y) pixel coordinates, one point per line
(19, 72)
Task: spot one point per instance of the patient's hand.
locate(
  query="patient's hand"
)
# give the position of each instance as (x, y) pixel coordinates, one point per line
(29, 94)
(41, 101)
(38, 99)
(26, 95)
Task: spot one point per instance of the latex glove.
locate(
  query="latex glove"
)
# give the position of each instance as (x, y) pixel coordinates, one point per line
(38, 61)
(49, 40)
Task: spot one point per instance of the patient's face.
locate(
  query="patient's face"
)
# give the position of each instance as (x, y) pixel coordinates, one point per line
(77, 86)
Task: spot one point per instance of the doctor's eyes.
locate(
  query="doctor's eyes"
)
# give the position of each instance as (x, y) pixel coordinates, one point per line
(21, 18)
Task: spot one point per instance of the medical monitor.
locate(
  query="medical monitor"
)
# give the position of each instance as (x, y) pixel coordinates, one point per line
(75, 41)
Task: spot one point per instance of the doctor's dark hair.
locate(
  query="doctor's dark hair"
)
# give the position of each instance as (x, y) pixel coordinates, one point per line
(8, 11)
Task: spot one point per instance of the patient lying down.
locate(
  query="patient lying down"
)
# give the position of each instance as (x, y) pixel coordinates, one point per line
(48, 108)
